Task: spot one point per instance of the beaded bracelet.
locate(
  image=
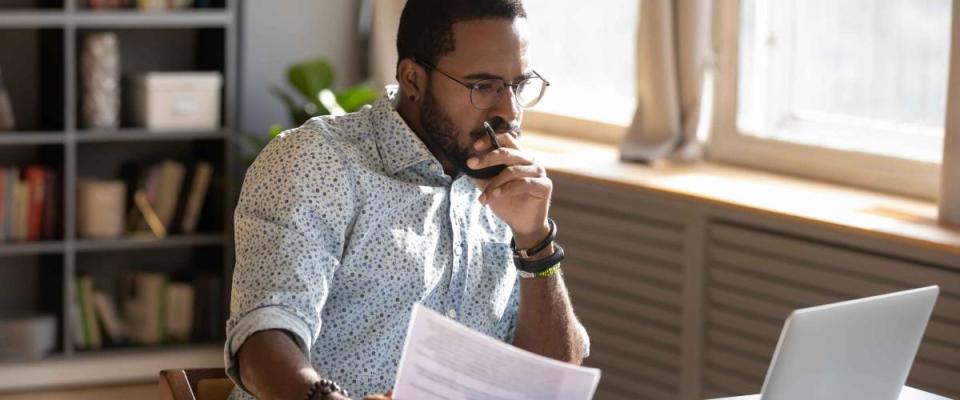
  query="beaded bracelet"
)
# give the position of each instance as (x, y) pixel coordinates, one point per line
(325, 387)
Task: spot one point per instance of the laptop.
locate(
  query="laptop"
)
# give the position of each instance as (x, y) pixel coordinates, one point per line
(858, 349)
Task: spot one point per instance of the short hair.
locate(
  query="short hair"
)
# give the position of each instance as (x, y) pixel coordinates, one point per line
(426, 26)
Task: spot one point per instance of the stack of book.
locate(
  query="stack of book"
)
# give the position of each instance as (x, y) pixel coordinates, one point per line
(153, 310)
(28, 199)
(166, 197)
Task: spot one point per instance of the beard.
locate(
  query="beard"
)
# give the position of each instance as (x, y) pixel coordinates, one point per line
(441, 130)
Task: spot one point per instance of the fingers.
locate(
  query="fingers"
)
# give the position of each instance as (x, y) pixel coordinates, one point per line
(509, 140)
(385, 396)
(511, 173)
(506, 156)
(539, 187)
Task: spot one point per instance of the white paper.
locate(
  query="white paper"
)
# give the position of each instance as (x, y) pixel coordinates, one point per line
(445, 360)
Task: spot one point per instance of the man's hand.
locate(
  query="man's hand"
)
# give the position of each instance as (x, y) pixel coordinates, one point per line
(387, 396)
(520, 195)
(337, 396)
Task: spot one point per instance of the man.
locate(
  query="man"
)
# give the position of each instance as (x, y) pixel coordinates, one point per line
(346, 222)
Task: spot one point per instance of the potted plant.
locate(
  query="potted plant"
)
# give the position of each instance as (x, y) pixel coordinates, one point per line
(312, 96)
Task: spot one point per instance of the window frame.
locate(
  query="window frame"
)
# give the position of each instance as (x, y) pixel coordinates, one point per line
(568, 126)
(875, 172)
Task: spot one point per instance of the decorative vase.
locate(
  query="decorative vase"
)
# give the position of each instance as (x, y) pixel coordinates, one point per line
(7, 121)
(100, 72)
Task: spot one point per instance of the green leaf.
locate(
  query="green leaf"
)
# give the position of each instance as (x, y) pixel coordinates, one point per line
(356, 97)
(310, 77)
(251, 141)
(286, 98)
(275, 130)
(299, 112)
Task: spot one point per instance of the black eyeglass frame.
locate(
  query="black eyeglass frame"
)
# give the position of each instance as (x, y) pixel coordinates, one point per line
(474, 86)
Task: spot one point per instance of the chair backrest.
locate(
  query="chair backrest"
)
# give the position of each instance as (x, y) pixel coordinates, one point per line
(195, 384)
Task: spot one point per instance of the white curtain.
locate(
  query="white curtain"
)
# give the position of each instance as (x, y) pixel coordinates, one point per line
(674, 81)
(383, 41)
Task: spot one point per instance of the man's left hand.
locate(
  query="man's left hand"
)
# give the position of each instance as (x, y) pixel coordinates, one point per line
(387, 396)
(520, 195)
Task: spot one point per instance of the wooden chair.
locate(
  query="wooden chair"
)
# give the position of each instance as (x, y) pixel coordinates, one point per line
(195, 384)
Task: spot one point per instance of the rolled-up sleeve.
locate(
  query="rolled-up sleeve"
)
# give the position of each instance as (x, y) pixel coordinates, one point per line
(295, 208)
(586, 339)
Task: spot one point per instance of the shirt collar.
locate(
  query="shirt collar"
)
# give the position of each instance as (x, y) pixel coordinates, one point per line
(399, 146)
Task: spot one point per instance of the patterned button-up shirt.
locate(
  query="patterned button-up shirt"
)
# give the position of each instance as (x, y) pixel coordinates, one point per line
(342, 225)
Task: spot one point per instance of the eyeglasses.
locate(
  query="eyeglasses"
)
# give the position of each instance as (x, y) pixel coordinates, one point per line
(485, 93)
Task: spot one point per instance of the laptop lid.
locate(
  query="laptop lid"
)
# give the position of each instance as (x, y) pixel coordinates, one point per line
(858, 349)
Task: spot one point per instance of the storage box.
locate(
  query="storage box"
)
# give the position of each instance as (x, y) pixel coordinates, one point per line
(101, 207)
(27, 336)
(177, 100)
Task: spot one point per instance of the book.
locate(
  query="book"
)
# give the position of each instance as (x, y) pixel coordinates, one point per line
(109, 317)
(35, 177)
(179, 4)
(79, 324)
(50, 205)
(144, 310)
(202, 175)
(21, 205)
(168, 191)
(161, 184)
(149, 215)
(10, 181)
(88, 313)
(132, 173)
(152, 183)
(179, 311)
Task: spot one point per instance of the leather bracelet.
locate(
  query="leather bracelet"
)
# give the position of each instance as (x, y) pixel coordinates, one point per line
(526, 253)
(324, 388)
(532, 268)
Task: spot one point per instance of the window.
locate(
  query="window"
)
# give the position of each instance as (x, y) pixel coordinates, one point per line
(853, 90)
(588, 55)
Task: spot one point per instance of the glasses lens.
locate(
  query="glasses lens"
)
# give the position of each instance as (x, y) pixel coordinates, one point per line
(530, 91)
(486, 93)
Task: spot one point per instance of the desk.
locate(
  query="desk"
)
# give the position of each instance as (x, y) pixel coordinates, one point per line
(908, 393)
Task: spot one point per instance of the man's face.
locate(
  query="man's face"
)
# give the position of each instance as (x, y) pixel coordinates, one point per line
(492, 48)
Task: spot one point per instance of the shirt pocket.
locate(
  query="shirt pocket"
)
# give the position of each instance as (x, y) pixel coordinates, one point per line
(497, 280)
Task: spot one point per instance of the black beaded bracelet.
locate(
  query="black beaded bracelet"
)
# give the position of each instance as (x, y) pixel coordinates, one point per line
(325, 387)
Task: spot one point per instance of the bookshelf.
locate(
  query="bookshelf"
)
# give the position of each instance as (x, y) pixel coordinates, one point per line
(40, 44)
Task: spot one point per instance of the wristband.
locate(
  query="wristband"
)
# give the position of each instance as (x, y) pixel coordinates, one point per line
(526, 253)
(528, 269)
(554, 270)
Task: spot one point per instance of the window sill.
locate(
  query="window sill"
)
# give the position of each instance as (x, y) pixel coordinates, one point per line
(905, 220)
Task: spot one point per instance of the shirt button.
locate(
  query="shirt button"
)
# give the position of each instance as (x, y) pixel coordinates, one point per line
(452, 314)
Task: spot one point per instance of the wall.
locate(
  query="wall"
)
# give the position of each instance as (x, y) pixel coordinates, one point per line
(276, 33)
